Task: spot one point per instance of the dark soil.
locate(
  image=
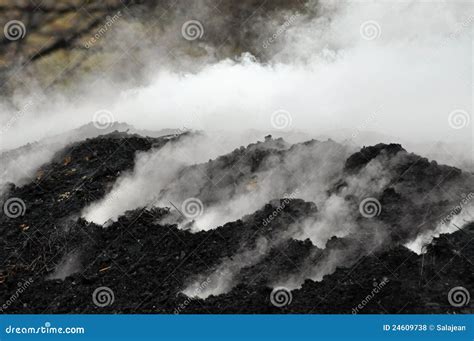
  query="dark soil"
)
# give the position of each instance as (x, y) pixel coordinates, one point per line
(148, 264)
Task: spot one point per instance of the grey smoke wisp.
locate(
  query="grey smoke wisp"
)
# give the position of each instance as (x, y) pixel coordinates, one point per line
(342, 234)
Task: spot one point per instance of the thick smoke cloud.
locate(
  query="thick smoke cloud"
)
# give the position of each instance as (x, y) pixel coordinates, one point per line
(412, 223)
(229, 187)
(321, 70)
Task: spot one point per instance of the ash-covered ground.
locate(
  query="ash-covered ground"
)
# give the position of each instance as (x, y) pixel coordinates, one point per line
(120, 223)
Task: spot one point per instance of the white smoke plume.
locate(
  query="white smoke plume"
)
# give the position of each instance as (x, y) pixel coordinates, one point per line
(155, 169)
(449, 223)
(322, 71)
(20, 166)
(222, 280)
(339, 217)
(68, 265)
(231, 186)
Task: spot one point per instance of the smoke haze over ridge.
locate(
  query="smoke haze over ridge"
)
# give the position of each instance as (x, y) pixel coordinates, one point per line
(320, 70)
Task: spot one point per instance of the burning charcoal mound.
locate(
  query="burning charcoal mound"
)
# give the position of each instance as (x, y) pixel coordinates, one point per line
(344, 250)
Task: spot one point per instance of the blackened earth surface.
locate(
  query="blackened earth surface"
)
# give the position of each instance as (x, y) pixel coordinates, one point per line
(147, 264)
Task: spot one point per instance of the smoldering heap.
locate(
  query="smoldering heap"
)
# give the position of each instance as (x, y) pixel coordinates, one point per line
(275, 216)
